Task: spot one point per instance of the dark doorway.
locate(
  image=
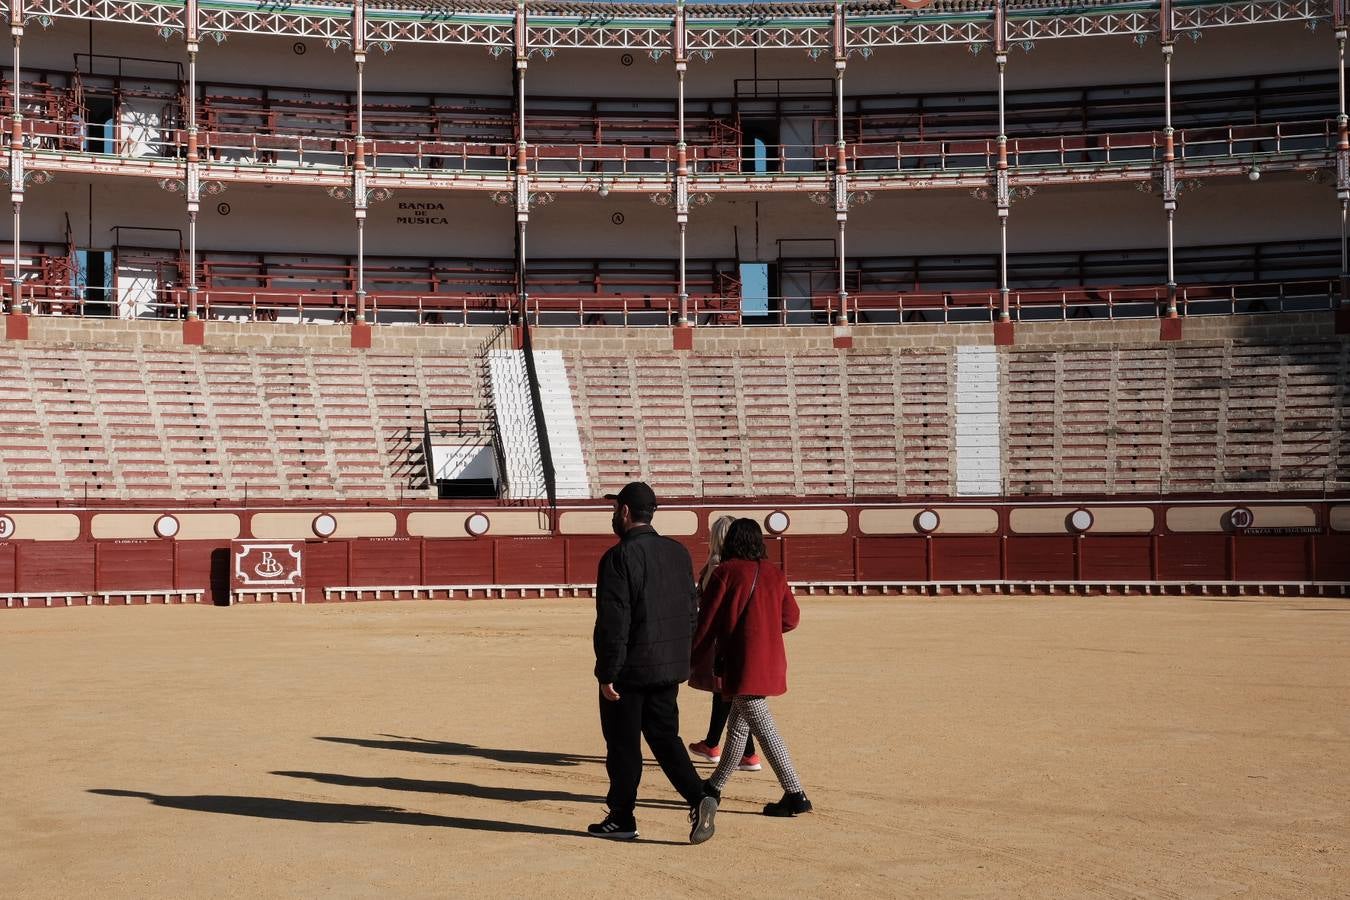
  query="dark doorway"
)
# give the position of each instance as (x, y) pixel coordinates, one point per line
(760, 152)
(93, 281)
(220, 576)
(100, 125)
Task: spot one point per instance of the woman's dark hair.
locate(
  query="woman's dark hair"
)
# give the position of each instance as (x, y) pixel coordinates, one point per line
(744, 540)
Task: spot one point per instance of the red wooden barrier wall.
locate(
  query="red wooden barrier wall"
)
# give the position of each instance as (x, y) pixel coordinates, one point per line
(86, 565)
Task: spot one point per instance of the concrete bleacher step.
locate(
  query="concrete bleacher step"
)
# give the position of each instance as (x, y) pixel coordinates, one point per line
(515, 424)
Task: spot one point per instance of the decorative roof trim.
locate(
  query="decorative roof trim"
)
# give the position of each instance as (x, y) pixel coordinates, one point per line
(560, 24)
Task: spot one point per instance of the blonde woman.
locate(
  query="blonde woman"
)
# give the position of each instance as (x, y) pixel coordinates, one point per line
(721, 707)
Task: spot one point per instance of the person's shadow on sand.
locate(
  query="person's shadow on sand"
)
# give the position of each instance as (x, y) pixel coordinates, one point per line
(454, 748)
(466, 789)
(316, 811)
(457, 788)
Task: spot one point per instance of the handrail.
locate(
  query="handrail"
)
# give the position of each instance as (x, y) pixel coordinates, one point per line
(598, 160)
(1106, 148)
(1105, 301)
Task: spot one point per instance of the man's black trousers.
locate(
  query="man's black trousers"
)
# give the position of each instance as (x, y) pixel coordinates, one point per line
(652, 712)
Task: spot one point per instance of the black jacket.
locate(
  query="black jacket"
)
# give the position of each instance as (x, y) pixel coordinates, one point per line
(646, 608)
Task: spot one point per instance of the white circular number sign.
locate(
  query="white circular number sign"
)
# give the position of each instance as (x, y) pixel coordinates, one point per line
(927, 521)
(1080, 520)
(324, 525)
(1241, 517)
(477, 524)
(166, 526)
(777, 522)
(6, 528)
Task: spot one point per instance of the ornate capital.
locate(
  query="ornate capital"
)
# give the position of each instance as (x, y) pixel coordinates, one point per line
(522, 198)
(841, 198)
(362, 200)
(681, 199)
(19, 176)
(1004, 193)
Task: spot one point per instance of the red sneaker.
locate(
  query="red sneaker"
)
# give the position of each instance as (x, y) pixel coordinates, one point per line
(749, 764)
(711, 754)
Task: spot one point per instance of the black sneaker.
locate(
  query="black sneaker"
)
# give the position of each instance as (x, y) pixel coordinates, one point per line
(614, 829)
(701, 820)
(792, 804)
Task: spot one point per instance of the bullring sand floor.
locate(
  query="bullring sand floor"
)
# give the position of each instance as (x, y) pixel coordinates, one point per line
(1049, 747)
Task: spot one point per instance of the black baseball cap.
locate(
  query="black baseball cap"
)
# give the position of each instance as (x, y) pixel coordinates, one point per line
(636, 495)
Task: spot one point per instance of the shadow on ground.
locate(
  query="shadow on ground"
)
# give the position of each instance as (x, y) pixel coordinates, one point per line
(454, 748)
(315, 811)
(337, 813)
(467, 789)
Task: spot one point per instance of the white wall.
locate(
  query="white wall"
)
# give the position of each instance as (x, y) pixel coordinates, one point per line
(600, 73)
(423, 67)
(285, 218)
(267, 60)
(52, 48)
(95, 206)
(1278, 207)
(1239, 50)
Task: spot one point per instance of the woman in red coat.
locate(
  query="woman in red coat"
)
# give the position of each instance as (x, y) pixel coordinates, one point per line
(746, 609)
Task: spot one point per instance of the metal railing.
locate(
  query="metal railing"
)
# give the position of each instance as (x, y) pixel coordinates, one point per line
(1105, 149)
(1070, 151)
(313, 307)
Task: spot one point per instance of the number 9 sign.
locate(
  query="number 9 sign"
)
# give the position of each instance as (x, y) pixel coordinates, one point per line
(6, 528)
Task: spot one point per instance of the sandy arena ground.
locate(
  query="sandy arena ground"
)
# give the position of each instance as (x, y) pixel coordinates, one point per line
(1156, 747)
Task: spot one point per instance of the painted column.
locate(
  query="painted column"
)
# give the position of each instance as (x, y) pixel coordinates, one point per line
(1169, 189)
(681, 162)
(1171, 323)
(1002, 191)
(359, 192)
(1169, 182)
(841, 197)
(17, 321)
(1170, 328)
(193, 328)
(1003, 324)
(359, 187)
(193, 172)
(1342, 167)
(522, 166)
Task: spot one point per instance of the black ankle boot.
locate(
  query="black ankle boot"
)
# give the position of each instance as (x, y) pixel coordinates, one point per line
(792, 804)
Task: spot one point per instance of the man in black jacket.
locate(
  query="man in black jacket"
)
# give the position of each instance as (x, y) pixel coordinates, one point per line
(646, 608)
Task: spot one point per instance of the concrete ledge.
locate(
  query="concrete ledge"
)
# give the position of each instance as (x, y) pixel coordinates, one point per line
(712, 339)
(267, 595)
(165, 596)
(82, 332)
